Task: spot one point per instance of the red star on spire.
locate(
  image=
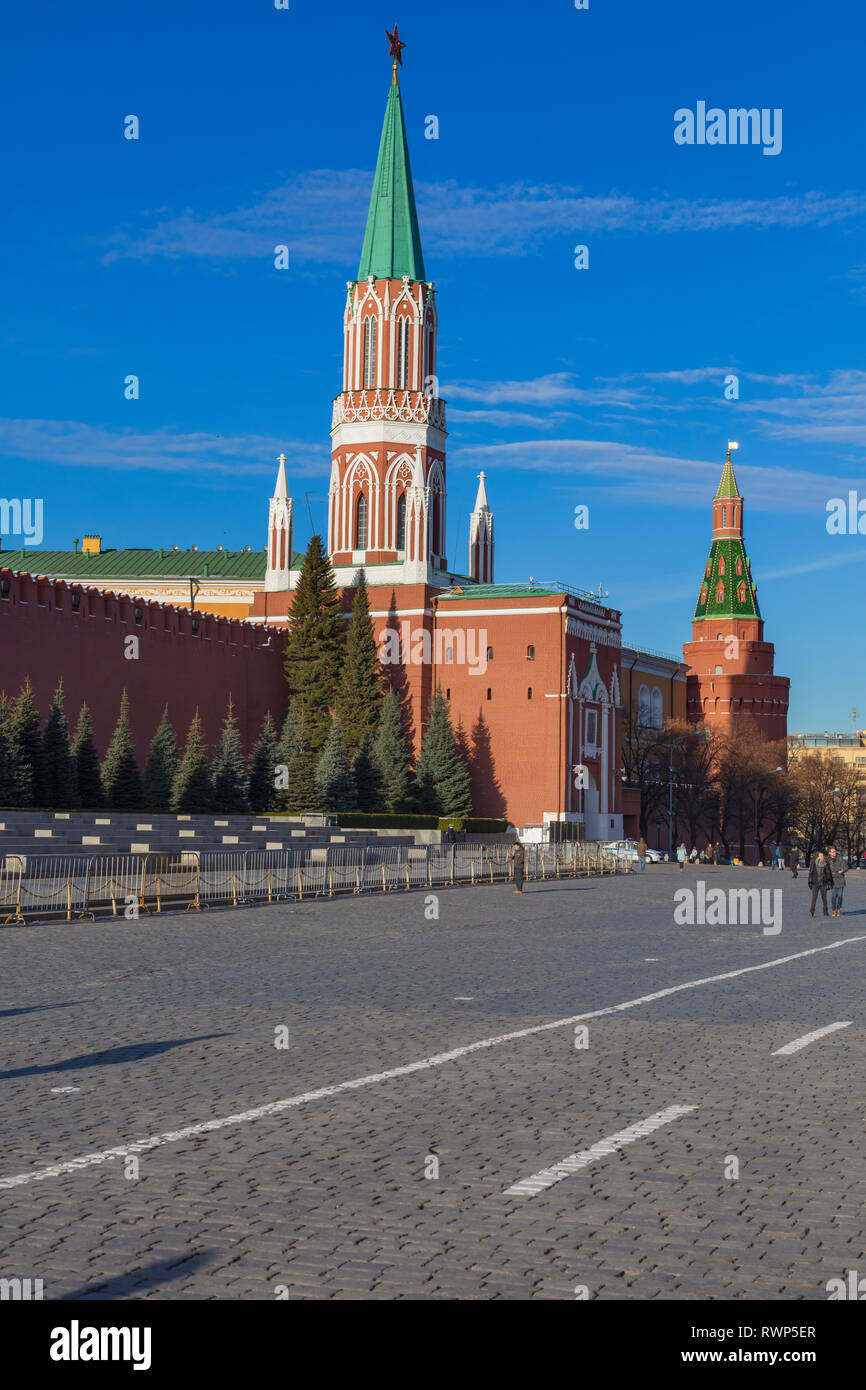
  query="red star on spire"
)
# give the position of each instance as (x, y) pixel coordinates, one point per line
(397, 45)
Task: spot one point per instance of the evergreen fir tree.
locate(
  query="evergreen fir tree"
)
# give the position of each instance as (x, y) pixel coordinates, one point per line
(334, 779)
(286, 749)
(442, 776)
(230, 769)
(192, 789)
(121, 779)
(31, 754)
(314, 651)
(161, 766)
(262, 792)
(359, 696)
(391, 757)
(61, 778)
(87, 762)
(11, 770)
(303, 792)
(368, 778)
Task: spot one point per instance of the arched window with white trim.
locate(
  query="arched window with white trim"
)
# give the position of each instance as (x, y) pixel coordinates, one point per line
(361, 523)
(401, 521)
(369, 379)
(643, 705)
(402, 373)
(657, 715)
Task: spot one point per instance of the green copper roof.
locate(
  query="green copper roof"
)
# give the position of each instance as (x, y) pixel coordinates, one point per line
(127, 565)
(392, 242)
(728, 483)
(709, 606)
(473, 590)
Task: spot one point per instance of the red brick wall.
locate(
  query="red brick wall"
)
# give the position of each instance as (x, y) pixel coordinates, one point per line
(43, 637)
(526, 747)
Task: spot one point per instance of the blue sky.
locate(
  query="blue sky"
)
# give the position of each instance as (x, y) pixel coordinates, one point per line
(603, 386)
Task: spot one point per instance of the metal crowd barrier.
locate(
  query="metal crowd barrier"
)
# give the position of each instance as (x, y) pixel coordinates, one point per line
(130, 886)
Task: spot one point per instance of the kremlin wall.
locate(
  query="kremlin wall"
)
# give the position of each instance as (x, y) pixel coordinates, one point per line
(536, 673)
(51, 630)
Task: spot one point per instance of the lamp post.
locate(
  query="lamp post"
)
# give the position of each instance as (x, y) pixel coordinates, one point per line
(671, 801)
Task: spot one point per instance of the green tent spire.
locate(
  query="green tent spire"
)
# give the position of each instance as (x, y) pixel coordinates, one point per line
(728, 483)
(392, 242)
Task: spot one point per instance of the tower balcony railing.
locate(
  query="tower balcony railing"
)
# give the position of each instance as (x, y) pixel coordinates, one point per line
(357, 407)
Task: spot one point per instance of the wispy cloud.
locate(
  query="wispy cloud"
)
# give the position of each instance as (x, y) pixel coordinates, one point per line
(832, 411)
(72, 443)
(552, 389)
(640, 474)
(319, 215)
(829, 410)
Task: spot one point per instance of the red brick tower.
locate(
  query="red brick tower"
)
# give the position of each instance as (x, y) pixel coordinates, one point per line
(387, 493)
(730, 665)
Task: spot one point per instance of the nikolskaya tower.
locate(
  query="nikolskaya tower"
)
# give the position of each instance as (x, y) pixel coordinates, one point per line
(387, 493)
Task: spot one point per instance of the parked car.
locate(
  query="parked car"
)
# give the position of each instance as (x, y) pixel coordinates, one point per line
(628, 849)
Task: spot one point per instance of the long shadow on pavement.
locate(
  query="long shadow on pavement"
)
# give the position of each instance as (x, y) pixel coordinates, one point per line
(135, 1052)
(39, 1008)
(136, 1281)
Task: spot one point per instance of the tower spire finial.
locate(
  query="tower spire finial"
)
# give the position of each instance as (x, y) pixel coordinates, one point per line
(392, 241)
(395, 52)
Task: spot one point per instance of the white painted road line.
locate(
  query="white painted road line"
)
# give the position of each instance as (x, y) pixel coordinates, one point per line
(548, 1177)
(276, 1107)
(807, 1038)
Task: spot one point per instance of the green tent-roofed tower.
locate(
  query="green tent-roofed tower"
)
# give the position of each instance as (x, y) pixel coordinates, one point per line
(727, 587)
(731, 677)
(392, 241)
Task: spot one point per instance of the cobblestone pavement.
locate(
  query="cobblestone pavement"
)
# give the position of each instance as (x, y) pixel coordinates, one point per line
(170, 1022)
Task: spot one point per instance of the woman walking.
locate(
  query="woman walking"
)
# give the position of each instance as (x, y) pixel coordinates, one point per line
(518, 864)
(837, 869)
(682, 856)
(820, 879)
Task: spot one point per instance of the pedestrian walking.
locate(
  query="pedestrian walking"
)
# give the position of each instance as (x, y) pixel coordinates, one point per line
(793, 859)
(838, 870)
(682, 856)
(641, 854)
(518, 865)
(820, 879)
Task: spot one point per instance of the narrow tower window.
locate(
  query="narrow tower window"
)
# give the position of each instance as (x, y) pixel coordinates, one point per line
(361, 524)
(369, 352)
(724, 516)
(401, 521)
(403, 352)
